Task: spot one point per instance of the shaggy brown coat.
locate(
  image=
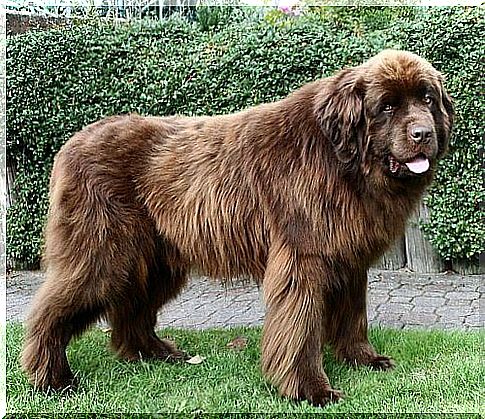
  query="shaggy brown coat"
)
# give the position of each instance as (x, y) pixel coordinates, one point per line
(303, 194)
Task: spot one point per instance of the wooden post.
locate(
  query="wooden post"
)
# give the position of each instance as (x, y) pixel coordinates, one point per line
(419, 254)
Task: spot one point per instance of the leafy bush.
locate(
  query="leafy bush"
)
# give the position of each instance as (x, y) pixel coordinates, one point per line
(61, 80)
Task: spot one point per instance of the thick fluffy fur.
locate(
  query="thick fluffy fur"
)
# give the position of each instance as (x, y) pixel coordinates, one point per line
(303, 194)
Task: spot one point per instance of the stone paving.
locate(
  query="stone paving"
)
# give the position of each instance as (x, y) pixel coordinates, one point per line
(398, 299)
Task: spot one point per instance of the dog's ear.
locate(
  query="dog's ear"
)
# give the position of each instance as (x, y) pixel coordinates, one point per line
(447, 111)
(340, 111)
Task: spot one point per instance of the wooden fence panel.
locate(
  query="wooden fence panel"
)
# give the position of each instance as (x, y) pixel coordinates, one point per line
(420, 256)
(395, 257)
(469, 267)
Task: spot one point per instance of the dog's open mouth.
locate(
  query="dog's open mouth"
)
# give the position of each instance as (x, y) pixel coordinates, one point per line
(420, 164)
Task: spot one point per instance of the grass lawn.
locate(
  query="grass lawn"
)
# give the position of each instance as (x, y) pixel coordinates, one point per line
(436, 372)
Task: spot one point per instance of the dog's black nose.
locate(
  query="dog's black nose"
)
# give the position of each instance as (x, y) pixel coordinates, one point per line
(420, 133)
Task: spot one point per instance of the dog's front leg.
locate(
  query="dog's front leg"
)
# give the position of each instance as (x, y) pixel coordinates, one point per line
(346, 320)
(292, 335)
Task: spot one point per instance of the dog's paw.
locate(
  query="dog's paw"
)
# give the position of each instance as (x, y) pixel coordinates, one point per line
(65, 386)
(382, 363)
(323, 396)
(318, 392)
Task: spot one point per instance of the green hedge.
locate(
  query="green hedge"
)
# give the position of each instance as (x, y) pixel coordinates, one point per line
(60, 80)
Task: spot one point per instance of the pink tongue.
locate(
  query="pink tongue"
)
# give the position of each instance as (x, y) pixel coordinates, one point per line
(418, 165)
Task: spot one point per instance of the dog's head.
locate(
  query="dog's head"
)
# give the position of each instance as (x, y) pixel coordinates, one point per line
(390, 114)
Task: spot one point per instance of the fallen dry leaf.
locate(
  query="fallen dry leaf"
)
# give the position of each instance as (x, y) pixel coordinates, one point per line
(197, 359)
(239, 343)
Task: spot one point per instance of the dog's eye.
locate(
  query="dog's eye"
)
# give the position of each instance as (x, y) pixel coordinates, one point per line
(387, 108)
(428, 99)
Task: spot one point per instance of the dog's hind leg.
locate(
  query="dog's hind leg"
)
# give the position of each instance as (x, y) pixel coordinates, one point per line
(95, 242)
(59, 312)
(133, 315)
(84, 273)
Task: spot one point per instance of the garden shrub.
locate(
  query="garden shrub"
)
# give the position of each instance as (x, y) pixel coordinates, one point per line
(60, 80)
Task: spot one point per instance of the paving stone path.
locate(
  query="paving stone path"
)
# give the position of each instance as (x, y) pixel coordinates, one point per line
(398, 299)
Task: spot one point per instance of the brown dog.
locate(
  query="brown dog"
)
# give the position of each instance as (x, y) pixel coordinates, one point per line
(303, 194)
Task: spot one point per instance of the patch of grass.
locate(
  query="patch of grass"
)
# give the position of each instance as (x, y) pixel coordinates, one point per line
(436, 371)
